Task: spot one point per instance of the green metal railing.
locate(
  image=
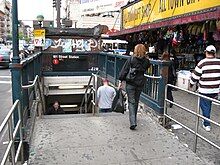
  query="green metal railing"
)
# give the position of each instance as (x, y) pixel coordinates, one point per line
(30, 68)
(110, 66)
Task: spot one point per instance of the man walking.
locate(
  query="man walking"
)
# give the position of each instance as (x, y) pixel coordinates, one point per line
(105, 96)
(207, 73)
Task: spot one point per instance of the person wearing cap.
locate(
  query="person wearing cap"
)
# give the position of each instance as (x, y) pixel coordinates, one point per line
(105, 96)
(207, 74)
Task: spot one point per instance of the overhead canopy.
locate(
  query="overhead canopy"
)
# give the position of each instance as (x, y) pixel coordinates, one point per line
(152, 14)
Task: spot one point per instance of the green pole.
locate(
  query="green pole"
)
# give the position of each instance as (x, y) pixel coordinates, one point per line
(15, 41)
(15, 66)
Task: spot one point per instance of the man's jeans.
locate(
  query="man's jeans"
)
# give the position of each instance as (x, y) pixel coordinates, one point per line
(206, 105)
(133, 100)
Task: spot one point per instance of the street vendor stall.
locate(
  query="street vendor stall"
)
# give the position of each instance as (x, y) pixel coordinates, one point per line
(183, 28)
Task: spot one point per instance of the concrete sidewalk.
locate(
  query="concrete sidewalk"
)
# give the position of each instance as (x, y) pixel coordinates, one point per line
(83, 139)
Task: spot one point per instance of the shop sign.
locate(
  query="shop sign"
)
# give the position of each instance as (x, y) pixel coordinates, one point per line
(101, 6)
(147, 11)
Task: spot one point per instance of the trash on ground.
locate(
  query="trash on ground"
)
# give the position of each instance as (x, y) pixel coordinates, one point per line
(176, 126)
(186, 145)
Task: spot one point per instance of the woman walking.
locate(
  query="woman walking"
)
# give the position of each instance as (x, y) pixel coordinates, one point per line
(133, 73)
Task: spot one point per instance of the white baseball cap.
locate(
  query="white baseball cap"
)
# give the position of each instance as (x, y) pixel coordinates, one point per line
(210, 49)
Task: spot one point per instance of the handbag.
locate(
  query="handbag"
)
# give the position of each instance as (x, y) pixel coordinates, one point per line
(131, 75)
(118, 104)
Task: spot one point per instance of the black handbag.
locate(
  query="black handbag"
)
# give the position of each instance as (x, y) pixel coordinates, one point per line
(130, 77)
(118, 104)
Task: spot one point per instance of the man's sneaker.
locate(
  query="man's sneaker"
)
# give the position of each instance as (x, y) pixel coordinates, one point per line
(207, 128)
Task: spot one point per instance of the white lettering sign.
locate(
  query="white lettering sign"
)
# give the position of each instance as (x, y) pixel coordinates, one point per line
(101, 6)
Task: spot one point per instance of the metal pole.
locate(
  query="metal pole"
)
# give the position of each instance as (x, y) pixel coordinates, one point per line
(196, 126)
(95, 93)
(115, 71)
(15, 66)
(165, 107)
(21, 133)
(86, 101)
(58, 13)
(10, 129)
(15, 41)
(106, 65)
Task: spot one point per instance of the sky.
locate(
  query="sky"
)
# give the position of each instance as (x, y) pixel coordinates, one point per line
(29, 9)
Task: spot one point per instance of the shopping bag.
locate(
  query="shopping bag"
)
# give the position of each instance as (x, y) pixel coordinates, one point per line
(118, 104)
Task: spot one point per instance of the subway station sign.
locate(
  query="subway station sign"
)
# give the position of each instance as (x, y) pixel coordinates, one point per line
(147, 11)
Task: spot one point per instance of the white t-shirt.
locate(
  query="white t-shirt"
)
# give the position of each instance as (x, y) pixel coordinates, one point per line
(105, 96)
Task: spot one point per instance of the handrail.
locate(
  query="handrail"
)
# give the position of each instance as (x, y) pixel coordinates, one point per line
(153, 77)
(194, 93)
(197, 114)
(36, 84)
(93, 78)
(85, 95)
(8, 115)
(13, 130)
(31, 85)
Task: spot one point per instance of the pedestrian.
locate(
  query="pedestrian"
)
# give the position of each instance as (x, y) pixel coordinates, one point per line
(55, 109)
(171, 77)
(138, 62)
(105, 96)
(207, 74)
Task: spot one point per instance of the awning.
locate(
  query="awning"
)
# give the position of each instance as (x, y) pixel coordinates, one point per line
(209, 14)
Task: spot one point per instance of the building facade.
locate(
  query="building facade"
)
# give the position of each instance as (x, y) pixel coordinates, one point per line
(2, 25)
(5, 7)
(87, 14)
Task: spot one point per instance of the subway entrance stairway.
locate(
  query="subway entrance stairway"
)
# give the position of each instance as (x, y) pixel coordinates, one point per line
(106, 139)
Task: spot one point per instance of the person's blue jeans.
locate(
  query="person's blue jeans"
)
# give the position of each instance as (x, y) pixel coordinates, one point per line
(105, 110)
(206, 106)
(133, 100)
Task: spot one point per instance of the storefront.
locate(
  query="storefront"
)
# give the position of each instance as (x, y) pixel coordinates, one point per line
(181, 27)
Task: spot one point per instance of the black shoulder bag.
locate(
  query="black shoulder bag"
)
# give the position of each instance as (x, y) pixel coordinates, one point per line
(130, 77)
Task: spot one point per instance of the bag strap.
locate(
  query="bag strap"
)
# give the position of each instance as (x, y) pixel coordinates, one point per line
(131, 59)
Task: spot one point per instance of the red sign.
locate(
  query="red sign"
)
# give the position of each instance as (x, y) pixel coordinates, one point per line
(56, 61)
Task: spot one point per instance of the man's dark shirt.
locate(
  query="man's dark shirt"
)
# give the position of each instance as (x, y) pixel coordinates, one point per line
(52, 111)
